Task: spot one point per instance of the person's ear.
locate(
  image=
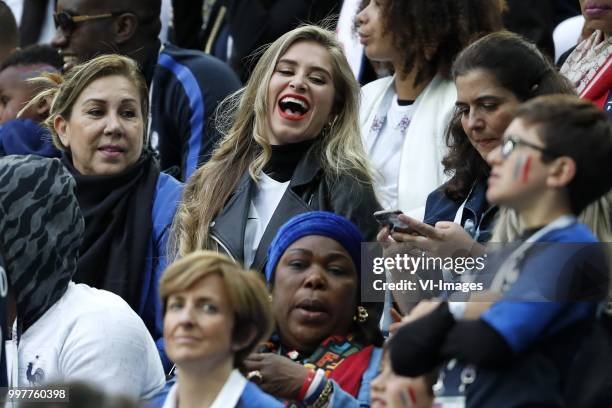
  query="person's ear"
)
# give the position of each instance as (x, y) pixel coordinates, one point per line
(125, 27)
(247, 335)
(561, 172)
(61, 128)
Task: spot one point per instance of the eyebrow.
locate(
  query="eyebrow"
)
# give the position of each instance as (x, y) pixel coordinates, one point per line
(482, 98)
(96, 100)
(198, 299)
(332, 256)
(312, 67)
(338, 255)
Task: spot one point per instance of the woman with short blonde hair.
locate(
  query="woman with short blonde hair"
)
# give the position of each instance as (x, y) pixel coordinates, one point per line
(215, 313)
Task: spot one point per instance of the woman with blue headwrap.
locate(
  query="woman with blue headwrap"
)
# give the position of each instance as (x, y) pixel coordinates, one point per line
(325, 348)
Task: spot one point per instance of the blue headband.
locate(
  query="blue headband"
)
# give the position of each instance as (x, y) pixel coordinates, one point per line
(322, 223)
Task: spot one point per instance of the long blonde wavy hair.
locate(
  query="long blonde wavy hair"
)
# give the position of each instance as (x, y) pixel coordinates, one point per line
(597, 216)
(246, 147)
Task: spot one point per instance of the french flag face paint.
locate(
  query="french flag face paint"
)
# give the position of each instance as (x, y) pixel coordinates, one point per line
(522, 168)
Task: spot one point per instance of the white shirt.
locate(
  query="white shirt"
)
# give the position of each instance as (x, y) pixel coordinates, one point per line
(262, 207)
(424, 146)
(89, 335)
(386, 153)
(228, 396)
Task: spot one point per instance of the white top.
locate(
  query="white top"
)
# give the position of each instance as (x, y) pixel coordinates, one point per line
(423, 148)
(386, 152)
(261, 209)
(89, 335)
(228, 396)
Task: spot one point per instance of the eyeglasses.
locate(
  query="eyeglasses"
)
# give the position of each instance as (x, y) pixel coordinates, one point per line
(510, 142)
(67, 22)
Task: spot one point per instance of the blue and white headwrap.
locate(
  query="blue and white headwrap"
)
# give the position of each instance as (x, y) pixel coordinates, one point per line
(322, 223)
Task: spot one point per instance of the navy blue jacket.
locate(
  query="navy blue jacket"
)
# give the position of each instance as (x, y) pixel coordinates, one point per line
(478, 215)
(24, 136)
(165, 201)
(187, 86)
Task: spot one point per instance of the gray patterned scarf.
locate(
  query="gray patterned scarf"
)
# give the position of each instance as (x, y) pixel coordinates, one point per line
(41, 228)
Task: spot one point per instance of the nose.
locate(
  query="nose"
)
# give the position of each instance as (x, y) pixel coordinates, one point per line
(362, 16)
(474, 120)
(113, 125)
(315, 278)
(378, 383)
(494, 157)
(298, 83)
(185, 316)
(60, 39)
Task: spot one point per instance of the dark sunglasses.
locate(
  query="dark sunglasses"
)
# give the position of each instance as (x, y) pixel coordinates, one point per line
(510, 142)
(68, 22)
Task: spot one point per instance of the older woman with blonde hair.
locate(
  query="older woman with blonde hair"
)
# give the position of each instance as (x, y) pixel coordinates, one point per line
(98, 119)
(293, 146)
(215, 313)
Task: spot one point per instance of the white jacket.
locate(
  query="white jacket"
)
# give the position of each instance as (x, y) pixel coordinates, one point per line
(421, 170)
(88, 335)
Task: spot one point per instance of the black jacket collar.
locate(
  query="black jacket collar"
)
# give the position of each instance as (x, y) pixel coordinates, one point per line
(229, 226)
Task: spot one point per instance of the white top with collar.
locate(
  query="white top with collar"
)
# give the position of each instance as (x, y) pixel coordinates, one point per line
(228, 396)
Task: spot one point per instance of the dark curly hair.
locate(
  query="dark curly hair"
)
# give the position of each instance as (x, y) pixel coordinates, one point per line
(519, 67)
(432, 33)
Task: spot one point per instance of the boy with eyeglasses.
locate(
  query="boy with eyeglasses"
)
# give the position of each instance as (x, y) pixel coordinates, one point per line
(555, 159)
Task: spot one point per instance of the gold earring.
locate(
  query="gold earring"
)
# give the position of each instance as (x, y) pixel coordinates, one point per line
(362, 314)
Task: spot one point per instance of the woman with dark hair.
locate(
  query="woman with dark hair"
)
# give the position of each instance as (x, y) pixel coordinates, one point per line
(325, 349)
(489, 89)
(403, 118)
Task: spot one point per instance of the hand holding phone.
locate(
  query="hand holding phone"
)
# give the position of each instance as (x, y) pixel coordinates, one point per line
(390, 219)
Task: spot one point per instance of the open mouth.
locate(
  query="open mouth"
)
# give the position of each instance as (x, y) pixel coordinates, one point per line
(293, 107)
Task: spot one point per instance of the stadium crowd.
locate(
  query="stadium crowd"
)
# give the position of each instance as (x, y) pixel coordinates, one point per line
(191, 194)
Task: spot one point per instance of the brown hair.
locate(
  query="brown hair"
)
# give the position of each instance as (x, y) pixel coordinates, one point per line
(573, 127)
(534, 76)
(432, 33)
(248, 294)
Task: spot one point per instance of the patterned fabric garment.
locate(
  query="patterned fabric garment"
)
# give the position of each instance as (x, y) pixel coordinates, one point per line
(585, 62)
(327, 356)
(41, 230)
(343, 360)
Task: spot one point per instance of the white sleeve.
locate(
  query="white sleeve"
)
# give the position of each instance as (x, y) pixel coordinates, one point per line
(113, 350)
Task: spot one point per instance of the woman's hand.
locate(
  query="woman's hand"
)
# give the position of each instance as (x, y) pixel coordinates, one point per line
(280, 376)
(443, 240)
(424, 307)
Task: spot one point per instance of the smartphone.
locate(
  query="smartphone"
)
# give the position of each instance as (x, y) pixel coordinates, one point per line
(390, 219)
